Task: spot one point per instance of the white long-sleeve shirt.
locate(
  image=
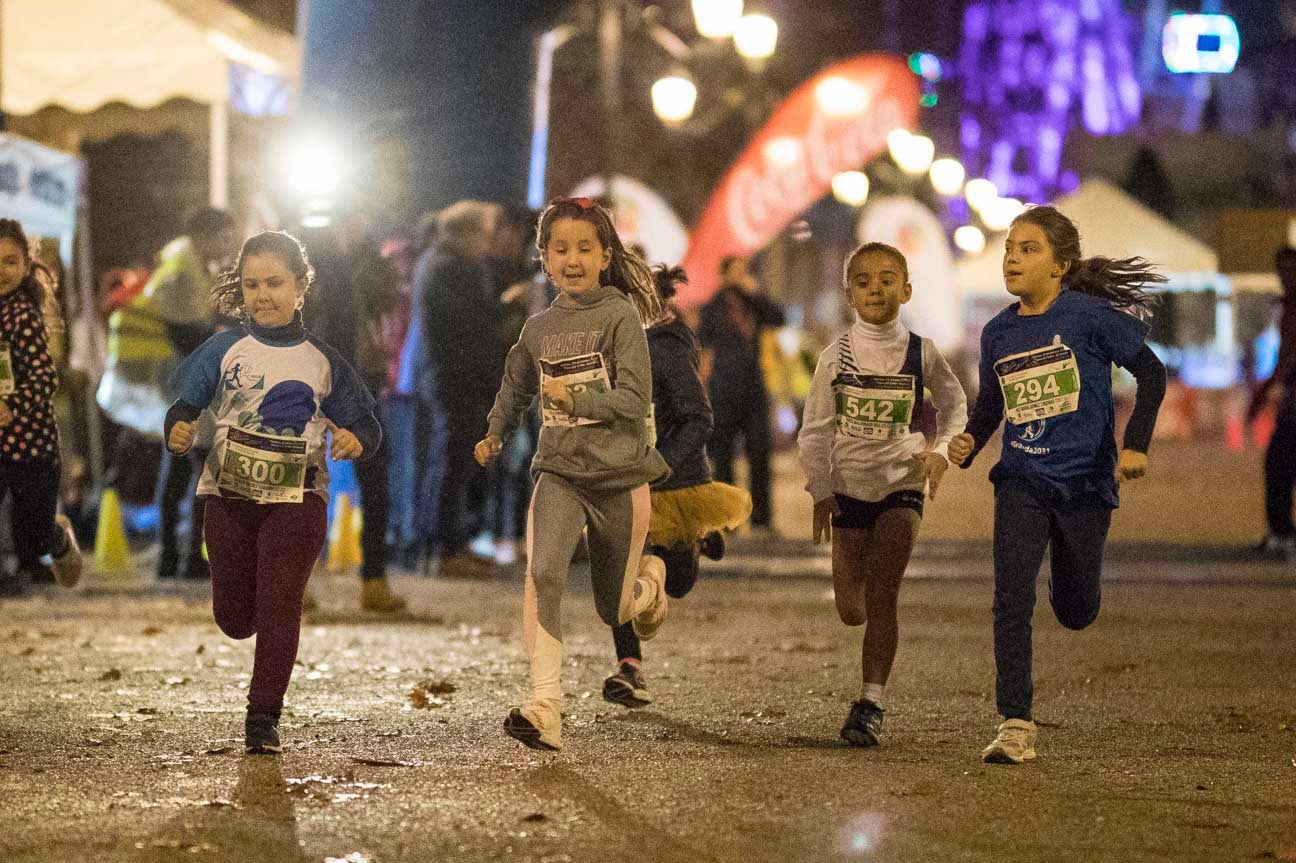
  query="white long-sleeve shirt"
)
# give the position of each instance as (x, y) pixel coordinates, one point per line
(865, 469)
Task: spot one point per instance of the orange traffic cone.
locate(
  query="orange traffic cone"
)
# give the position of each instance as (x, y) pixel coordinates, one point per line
(344, 536)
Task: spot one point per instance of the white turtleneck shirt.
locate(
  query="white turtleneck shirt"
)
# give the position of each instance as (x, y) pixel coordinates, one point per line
(870, 470)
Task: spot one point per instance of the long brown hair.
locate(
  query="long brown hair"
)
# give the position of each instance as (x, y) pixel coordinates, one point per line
(227, 295)
(627, 272)
(1119, 281)
(39, 284)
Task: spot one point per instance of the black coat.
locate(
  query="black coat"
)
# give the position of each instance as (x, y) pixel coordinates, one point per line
(680, 405)
(730, 327)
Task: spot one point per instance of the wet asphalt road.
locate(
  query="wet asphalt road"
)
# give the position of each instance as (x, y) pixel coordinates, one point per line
(1168, 729)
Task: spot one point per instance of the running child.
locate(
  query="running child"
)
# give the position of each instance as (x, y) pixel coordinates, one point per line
(587, 356)
(273, 390)
(867, 464)
(29, 441)
(688, 509)
(1046, 365)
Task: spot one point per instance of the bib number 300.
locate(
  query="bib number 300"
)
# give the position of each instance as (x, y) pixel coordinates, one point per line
(265, 468)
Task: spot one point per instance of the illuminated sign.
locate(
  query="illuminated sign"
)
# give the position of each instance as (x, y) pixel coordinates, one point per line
(1200, 43)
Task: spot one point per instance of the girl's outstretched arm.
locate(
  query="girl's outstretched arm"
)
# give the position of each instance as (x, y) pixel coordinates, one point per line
(517, 389)
(1150, 380)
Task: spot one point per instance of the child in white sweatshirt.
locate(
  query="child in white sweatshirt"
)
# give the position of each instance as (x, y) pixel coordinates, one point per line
(867, 464)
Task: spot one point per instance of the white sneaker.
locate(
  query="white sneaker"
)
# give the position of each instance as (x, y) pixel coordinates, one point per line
(1014, 743)
(505, 552)
(537, 724)
(646, 623)
(67, 566)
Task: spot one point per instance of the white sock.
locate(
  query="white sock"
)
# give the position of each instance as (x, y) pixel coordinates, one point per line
(873, 692)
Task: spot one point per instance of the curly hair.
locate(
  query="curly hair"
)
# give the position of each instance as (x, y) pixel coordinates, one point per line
(227, 295)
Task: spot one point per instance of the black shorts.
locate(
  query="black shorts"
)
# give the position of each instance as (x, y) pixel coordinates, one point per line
(855, 514)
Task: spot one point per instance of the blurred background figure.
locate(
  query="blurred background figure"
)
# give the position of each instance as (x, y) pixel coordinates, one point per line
(459, 313)
(355, 297)
(730, 330)
(1277, 394)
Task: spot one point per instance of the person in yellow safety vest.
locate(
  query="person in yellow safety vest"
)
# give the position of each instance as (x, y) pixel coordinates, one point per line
(147, 340)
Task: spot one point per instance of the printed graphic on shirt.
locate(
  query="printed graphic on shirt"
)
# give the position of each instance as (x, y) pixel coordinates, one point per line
(570, 344)
(6, 370)
(1039, 384)
(874, 407)
(264, 468)
(582, 373)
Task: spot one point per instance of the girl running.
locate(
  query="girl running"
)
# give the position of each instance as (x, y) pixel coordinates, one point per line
(273, 390)
(587, 356)
(1046, 364)
(688, 509)
(867, 465)
(29, 440)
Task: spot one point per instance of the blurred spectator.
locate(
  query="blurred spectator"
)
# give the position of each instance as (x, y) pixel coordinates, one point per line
(1279, 393)
(356, 291)
(178, 299)
(458, 306)
(730, 330)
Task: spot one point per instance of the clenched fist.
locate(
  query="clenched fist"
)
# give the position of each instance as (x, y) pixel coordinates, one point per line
(960, 447)
(181, 439)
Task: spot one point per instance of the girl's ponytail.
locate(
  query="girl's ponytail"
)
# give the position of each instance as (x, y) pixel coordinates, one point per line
(631, 275)
(1121, 282)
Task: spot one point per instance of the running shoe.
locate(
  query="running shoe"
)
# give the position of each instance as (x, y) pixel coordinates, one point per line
(1014, 743)
(627, 687)
(863, 724)
(646, 623)
(537, 724)
(713, 545)
(67, 566)
(261, 732)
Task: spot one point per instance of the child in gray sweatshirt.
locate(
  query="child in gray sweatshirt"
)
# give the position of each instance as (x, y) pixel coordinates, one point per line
(587, 357)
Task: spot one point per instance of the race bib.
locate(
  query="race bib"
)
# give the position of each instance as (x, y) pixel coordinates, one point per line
(582, 373)
(262, 467)
(6, 370)
(874, 407)
(1039, 384)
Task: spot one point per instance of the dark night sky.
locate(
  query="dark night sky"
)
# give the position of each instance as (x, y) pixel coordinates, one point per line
(451, 78)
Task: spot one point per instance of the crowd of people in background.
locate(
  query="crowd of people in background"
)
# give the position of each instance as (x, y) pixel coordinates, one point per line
(426, 317)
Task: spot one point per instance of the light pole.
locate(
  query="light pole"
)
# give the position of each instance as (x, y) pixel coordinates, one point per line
(673, 97)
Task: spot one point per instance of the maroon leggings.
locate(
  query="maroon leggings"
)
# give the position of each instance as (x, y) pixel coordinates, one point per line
(261, 557)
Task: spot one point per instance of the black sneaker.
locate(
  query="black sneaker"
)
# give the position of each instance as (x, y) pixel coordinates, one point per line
(627, 687)
(713, 545)
(864, 724)
(261, 731)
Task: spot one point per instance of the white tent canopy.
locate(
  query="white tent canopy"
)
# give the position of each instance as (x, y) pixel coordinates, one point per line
(82, 54)
(1114, 225)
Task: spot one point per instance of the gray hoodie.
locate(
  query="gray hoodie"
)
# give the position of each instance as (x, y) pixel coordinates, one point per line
(603, 445)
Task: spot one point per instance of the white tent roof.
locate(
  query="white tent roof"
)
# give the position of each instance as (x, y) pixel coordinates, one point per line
(1114, 225)
(82, 54)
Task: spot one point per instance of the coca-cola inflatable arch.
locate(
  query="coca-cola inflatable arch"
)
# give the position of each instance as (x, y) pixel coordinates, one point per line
(836, 121)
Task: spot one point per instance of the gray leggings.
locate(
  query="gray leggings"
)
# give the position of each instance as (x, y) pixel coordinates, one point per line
(618, 527)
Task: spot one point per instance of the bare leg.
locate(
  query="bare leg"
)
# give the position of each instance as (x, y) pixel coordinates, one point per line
(885, 558)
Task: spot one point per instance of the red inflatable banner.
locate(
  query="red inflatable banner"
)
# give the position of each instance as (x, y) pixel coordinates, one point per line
(837, 121)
